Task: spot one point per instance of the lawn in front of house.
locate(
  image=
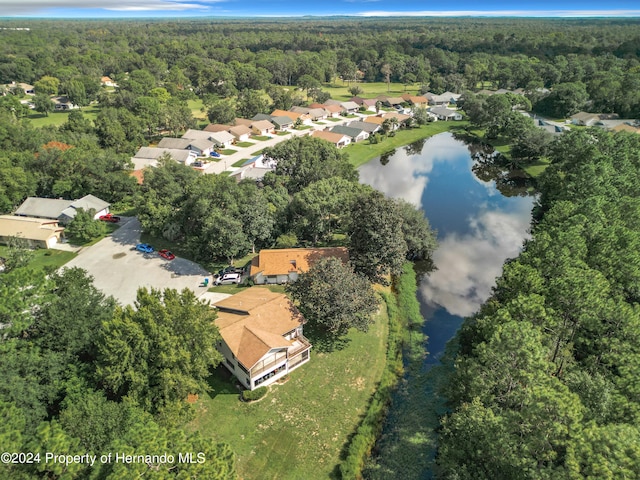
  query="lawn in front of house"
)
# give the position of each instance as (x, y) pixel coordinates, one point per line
(362, 152)
(299, 429)
(245, 144)
(240, 162)
(260, 138)
(227, 151)
(44, 258)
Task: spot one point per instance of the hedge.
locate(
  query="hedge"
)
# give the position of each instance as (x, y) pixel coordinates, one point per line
(403, 310)
(252, 395)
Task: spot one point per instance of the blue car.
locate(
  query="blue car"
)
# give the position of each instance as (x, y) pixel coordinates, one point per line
(144, 248)
(215, 154)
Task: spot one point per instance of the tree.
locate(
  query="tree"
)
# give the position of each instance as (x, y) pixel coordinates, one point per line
(47, 85)
(307, 82)
(333, 297)
(84, 227)
(421, 115)
(177, 116)
(304, 160)
(377, 245)
(420, 239)
(355, 90)
(386, 72)
(43, 103)
(159, 352)
(250, 103)
(75, 90)
(221, 111)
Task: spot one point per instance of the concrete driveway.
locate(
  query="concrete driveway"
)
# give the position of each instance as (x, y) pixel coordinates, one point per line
(119, 270)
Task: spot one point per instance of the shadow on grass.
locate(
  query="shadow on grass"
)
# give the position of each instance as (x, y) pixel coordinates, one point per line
(221, 382)
(324, 342)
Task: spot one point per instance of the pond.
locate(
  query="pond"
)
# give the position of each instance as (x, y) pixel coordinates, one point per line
(482, 212)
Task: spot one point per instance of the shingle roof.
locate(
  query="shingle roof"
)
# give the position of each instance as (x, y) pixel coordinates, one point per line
(332, 137)
(42, 207)
(217, 127)
(154, 153)
(89, 201)
(175, 143)
(242, 121)
(262, 125)
(283, 261)
(221, 138)
(348, 131)
(240, 130)
(197, 134)
(254, 321)
(28, 228)
(366, 126)
(282, 120)
(350, 105)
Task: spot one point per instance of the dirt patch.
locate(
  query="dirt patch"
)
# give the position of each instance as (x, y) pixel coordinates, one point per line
(192, 398)
(119, 255)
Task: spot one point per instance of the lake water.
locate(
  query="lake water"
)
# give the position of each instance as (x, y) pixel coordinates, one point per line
(478, 229)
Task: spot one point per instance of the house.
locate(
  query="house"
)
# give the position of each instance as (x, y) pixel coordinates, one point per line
(222, 139)
(261, 336)
(293, 116)
(416, 101)
(400, 117)
(625, 127)
(28, 89)
(60, 210)
(255, 169)
(216, 127)
(393, 101)
(437, 100)
(355, 134)
(240, 132)
(282, 122)
(337, 139)
(284, 265)
(174, 143)
(107, 82)
(318, 114)
(262, 127)
(193, 134)
(350, 107)
(453, 97)
(380, 119)
(148, 156)
(202, 147)
(590, 119)
(37, 232)
(366, 126)
(444, 113)
(334, 110)
(63, 103)
(242, 121)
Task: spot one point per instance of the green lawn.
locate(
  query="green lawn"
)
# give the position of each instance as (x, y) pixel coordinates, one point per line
(281, 134)
(260, 138)
(240, 162)
(58, 118)
(360, 153)
(299, 429)
(245, 144)
(195, 106)
(45, 258)
(340, 91)
(535, 169)
(227, 151)
(334, 119)
(303, 127)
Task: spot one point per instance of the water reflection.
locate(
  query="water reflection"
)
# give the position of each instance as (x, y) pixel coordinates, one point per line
(478, 227)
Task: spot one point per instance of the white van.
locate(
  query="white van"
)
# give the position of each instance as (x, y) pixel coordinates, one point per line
(228, 278)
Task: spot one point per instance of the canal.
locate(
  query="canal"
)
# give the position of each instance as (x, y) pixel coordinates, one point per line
(482, 215)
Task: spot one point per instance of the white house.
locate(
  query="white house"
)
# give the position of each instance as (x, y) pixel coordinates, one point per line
(261, 336)
(444, 113)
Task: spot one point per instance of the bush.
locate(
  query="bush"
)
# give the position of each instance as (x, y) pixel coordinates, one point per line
(253, 395)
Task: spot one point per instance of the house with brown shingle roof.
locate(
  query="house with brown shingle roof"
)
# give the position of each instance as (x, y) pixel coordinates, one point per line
(334, 110)
(262, 127)
(36, 232)
(337, 139)
(241, 132)
(262, 338)
(284, 265)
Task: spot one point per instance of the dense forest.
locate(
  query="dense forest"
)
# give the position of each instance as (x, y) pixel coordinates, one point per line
(545, 380)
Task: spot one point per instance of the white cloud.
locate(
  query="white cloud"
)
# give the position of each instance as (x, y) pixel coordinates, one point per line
(469, 264)
(505, 13)
(39, 7)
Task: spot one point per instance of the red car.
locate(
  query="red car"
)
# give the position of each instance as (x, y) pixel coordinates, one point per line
(166, 254)
(109, 218)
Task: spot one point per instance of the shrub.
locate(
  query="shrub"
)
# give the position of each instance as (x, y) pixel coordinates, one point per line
(253, 395)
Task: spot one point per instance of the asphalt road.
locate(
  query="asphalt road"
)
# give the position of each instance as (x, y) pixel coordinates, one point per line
(119, 270)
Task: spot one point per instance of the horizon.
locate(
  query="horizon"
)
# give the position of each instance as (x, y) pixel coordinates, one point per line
(249, 9)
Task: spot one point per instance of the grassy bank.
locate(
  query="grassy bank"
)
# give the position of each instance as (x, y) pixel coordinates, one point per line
(44, 258)
(404, 315)
(360, 153)
(299, 429)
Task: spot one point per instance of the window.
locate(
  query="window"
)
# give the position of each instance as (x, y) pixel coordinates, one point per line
(230, 363)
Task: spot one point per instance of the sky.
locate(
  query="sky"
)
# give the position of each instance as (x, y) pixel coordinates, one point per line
(279, 8)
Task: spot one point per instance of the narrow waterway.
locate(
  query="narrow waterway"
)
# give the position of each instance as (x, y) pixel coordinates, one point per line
(482, 217)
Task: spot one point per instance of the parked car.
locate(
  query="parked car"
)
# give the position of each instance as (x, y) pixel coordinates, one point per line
(215, 154)
(109, 218)
(144, 248)
(229, 269)
(166, 254)
(197, 164)
(228, 278)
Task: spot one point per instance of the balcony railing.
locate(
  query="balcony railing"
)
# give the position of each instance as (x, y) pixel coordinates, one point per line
(255, 371)
(300, 344)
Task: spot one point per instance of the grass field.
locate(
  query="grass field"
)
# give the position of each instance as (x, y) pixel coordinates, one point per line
(534, 170)
(340, 91)
(360, 153)
(58, 118)
(245, 144)
(45, 258)
(196, 106)
(299, 429)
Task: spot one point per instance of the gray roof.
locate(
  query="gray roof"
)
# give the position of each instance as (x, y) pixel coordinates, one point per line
(280, 121)
(297, 109)
(263, 125)
(317, 112)
(261, 116)
(220, 138)
(333, 102)
(395, 100)
(350, 105)
(153, 153)
(196, 134)
(175, 143)
(42, 207)
(366, 126)
(348, 131)
(89, 201)
(443, 111)
(201, 143)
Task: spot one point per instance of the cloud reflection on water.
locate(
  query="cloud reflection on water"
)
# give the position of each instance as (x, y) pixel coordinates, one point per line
(478, 227)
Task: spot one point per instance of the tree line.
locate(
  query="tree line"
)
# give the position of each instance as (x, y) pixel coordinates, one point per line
(544, 380)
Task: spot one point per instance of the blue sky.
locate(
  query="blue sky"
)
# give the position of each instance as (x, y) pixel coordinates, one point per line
(274, 8)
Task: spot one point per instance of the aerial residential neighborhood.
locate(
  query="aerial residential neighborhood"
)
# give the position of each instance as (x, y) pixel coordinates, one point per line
(348, 243)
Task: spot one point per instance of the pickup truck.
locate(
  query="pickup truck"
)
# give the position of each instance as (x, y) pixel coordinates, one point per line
(109, 218)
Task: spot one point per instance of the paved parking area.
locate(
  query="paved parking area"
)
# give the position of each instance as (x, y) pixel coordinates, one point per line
(119, 270)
